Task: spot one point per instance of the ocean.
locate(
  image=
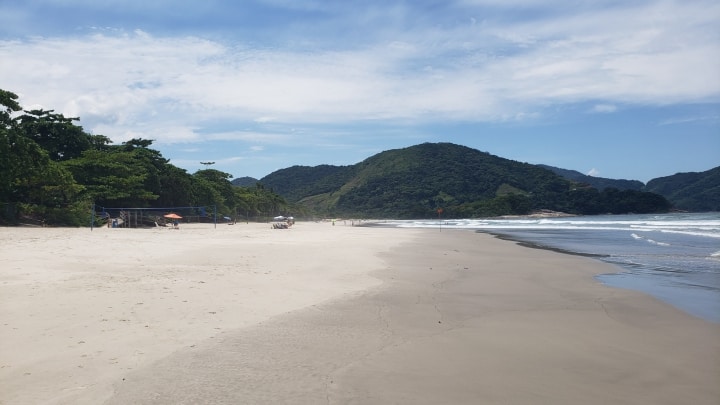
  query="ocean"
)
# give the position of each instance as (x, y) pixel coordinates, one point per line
(673, 257)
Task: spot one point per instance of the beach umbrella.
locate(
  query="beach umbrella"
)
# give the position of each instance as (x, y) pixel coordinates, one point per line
(173, 216)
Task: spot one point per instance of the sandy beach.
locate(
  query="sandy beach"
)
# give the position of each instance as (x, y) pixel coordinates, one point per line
(333, 315)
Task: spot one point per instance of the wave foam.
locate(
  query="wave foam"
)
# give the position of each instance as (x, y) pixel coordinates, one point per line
(648, 240)
(709, 228)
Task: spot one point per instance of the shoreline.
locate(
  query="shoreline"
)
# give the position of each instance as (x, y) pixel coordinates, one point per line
(459, 318)
(411, 316)
(625, 278)
(700, 301)
(534, 245)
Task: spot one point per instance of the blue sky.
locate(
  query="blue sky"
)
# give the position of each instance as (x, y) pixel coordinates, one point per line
(619, 89)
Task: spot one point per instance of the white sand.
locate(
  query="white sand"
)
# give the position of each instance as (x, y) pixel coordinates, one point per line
(80, 309)
(332, 314)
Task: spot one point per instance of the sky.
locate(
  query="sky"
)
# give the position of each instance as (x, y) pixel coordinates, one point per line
(617, 89)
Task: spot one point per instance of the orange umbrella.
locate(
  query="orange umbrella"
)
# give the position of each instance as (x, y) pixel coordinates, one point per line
(173, 216)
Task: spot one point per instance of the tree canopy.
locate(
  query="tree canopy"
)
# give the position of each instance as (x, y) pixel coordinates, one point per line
(53, 171)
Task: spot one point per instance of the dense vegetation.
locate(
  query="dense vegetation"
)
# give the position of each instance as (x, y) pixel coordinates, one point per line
(415, 182)
(296, 182)
(52, 171)
(694, 191)
(244, 181)
(600, 183)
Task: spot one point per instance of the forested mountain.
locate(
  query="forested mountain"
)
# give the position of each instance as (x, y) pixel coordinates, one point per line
(415, 182)
(244, 181)
(693, 191)
(599, 183)
(298, 182)
(53, 172)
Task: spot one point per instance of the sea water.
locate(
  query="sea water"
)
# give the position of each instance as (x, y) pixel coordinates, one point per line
(673, 257)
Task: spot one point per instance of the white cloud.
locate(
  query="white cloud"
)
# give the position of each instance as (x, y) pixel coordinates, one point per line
(125, 85)
(267, 138)
(604, 108)
(685, 120)
(264, 119)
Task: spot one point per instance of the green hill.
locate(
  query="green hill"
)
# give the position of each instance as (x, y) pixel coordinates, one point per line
(415, 182)
(693, 191)
(600, 183)
(298, 182)
(244, 181)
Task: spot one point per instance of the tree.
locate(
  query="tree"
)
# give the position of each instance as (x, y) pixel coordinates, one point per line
(112, 178)
(55, 133)
(177, 187)
(214, 188)
(10, 105)
(22, 160)
(30, 182)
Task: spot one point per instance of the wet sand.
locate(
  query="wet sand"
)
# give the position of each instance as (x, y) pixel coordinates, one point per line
(345, 315)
